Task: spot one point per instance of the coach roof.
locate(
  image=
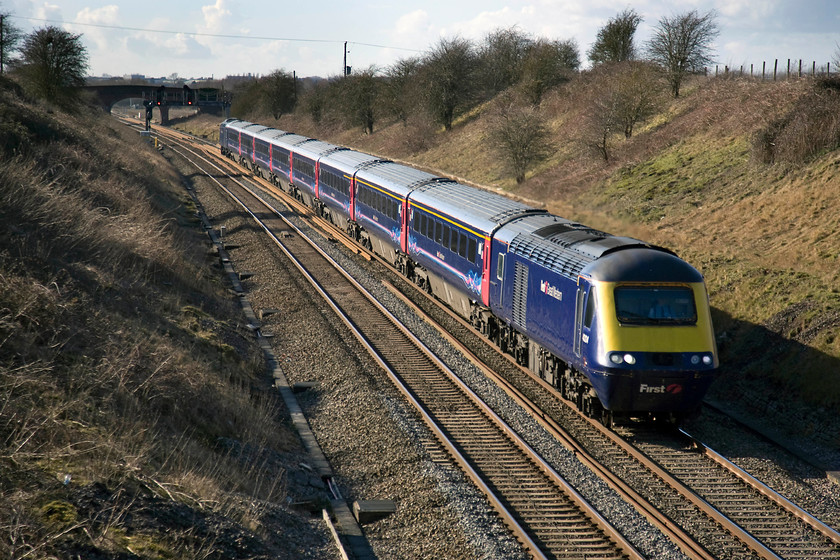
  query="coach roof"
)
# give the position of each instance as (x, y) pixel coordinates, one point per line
(313, 149)
(349, 161)
(394, 177)
(481, 209)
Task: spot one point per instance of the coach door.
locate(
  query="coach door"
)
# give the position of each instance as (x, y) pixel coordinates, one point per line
(584, 315)
(579, 301)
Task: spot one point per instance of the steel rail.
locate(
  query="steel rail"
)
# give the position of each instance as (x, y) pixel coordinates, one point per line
(765, 490)
(504, 513)
(683, 540)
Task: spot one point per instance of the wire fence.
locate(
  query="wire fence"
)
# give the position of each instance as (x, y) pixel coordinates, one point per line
(776, 71)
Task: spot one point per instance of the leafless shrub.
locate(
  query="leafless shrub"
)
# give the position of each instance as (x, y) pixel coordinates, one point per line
(809, 129)
(518, 134)
(417, 136)
(619, 97)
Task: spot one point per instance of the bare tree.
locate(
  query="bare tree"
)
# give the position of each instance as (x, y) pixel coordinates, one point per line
(601, 123)
(601, 112)
(501, 59)
(519, 136)
(614, 42)
(360, 93)
(280, 93)
(837, 55)
(618, 97)
(10, 37)
(682, 44)
(448, 72)
(638, 89)
(314, 100)
(53, 65)
(548, 64)
(401, 90)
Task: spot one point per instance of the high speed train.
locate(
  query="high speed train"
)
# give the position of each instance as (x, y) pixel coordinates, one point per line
(618, 326)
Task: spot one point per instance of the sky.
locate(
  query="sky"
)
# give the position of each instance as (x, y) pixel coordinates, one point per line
(217, 38)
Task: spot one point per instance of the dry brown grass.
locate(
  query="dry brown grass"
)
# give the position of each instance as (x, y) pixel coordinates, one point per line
(130, 402)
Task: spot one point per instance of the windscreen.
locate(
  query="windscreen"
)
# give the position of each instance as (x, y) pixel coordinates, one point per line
(655, 305)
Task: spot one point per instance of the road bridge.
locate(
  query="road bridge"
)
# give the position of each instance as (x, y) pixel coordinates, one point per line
(161, 97)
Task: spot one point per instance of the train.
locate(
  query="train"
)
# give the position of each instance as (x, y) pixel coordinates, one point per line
(620, 327)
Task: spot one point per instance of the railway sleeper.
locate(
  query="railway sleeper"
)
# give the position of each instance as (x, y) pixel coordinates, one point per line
(570, 384)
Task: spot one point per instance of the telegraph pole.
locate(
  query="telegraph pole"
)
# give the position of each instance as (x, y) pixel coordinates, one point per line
(344, 70)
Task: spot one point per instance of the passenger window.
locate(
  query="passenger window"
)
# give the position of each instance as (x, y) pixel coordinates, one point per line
(500, 267)
(472, 253)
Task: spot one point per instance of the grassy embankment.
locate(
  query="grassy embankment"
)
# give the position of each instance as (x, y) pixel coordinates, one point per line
(135, 421)
(693, 178)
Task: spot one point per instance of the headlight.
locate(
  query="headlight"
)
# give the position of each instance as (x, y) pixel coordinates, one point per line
(618, 358)
(695, 359)
(707, 360)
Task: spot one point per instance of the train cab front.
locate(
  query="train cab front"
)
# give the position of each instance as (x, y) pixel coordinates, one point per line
(651, 344)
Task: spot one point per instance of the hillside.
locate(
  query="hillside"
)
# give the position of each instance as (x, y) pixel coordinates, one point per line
(136, 420)
(691, 178)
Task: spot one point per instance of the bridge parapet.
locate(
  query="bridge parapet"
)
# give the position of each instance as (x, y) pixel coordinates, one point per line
(161, 96)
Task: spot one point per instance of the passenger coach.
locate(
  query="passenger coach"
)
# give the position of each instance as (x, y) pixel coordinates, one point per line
(452, 226)
(616, 325)
(337, 186)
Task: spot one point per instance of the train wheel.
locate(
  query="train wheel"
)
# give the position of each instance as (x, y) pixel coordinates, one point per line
(607, 418)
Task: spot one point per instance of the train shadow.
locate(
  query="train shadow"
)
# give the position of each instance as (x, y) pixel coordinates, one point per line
(782, 387)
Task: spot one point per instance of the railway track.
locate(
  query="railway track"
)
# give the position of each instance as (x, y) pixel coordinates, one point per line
(721, 516)
(783, 527)
(548, 516)
(731, 515)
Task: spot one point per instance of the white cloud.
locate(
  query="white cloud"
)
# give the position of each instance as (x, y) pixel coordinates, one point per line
(48, 11)
(413, 30)
(106, 15)
(747, 9)
(485, 22)
(216, 17)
